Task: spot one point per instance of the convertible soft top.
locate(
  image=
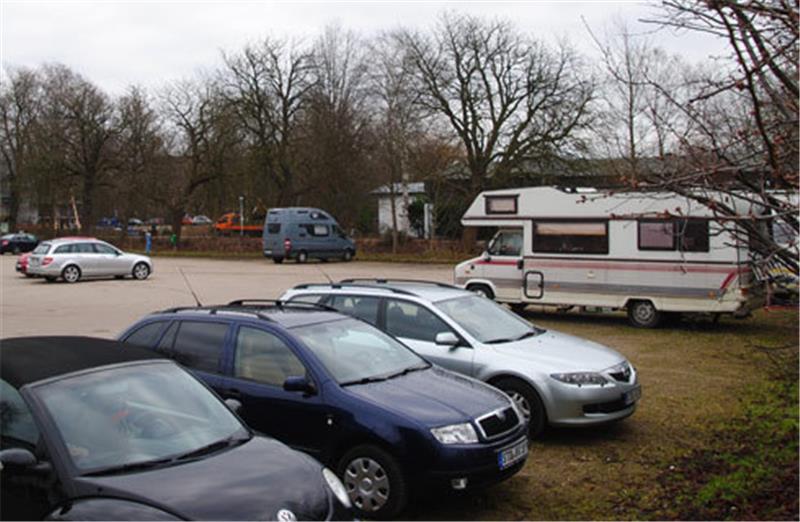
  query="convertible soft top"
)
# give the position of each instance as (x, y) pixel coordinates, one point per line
(24, 360)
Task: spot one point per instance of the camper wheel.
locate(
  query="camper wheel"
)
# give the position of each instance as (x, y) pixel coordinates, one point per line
(480, 289)
(643, 314)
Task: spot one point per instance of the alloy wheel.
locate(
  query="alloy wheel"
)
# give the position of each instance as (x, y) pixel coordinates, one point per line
(72, 274)
(521, 402)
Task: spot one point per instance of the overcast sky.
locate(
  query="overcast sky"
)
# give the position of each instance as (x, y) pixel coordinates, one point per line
(149, 43)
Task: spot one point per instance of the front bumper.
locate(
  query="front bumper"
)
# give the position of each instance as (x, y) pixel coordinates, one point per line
(477, 463)
(571, 405)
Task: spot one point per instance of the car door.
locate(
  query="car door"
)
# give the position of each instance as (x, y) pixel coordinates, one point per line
(262, 361)
(503, 264)
(24, 492)
(110, 261)
(84, 255)
(199, 346)
(417, 327)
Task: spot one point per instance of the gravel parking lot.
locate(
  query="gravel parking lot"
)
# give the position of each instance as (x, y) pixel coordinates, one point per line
(691, 373)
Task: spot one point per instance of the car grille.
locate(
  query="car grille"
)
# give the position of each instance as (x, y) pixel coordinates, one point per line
(621, 372)
(498, 422)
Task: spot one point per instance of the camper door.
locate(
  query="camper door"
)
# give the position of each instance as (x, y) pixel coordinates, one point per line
(502, 263)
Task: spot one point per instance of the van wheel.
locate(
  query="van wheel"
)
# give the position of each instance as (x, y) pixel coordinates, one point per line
(277, 260)
(348, 255)
(374, 481)
(527, 401)
(302, 256)
(643, 314)
(480, 289)
(71, 274)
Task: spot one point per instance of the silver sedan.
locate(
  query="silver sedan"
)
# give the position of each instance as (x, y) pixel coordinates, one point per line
(75, 259)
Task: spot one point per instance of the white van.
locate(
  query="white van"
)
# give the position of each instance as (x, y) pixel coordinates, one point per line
(645, 252)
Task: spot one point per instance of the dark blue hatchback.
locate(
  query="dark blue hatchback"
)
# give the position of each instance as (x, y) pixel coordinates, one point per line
(386, 420)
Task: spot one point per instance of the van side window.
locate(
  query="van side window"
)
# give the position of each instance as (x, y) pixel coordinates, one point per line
(316, 230)
(274, 228)
(365, 308)
(409, 320)
(507, 243)
(198, 345)
(685, 235)
(263, 357)
(571, 237)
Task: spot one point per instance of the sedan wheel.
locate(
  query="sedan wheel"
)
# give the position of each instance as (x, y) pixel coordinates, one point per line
(141, 271)
(527, 401)
(71, 274)
(373, 481)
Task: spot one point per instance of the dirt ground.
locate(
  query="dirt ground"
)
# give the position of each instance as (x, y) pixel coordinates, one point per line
(692, 374)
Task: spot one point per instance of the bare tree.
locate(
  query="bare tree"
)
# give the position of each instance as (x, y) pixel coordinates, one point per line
(265, 86)
(19, 105)
(510, 99)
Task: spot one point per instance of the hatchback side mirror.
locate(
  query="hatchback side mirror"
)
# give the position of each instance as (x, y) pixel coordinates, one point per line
(447, 339)
(299, 384)
(17, 458)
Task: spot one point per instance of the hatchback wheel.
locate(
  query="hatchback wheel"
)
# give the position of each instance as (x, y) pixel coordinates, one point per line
(527, 401)
(373, 481)
(348, 255)
(71, 274)
(141, 271)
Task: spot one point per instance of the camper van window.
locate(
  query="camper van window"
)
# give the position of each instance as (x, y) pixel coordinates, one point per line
(690, 235)
(559, 237)
(506, 243)
(274, 228)
(693, 234)
(501, 204)
(315, 230)
(656, 235)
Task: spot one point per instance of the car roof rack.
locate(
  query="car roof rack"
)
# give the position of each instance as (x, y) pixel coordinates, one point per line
(213, 310)
(279, 304)
(345, 284)
(385, 281)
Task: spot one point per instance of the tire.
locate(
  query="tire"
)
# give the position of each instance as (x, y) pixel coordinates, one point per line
(302, 256)
(348, 255)
(119, 277)
(50, 279)
(481, 289)
(361, 469)
(141, 271)
(277, 260)
(71, 274)
(643, 314)
(528, 401)
(16, 251)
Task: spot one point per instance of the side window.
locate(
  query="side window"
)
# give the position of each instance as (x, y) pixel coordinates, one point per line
(560, 237)
(273, 228)
(365, 308)
(199, 345)
(263, 357)
(16, 421)
(656, 235)
(685, 235)
(146, 335)
(507, 243)
(307, 298)
(82, 248)
(169, 338)
(64, 249)
(409, 320)
(100, 248)
(693, 235)
(315, 230)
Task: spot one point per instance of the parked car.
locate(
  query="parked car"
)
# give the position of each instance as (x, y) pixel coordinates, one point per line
(17, 243)
(301, 233)
(22, 264)
(202, 220)
(389, 422)
(555, 379)
(74, 259)
(92, 431)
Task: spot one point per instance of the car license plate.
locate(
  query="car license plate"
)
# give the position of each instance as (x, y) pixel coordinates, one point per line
(632, 396)
(512, 455)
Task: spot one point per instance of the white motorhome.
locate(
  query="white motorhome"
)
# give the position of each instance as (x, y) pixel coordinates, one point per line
(645, 252)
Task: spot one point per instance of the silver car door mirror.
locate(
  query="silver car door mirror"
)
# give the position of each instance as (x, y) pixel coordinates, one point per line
(447, 339)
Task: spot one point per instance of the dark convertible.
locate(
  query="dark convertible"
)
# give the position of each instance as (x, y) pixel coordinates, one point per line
(94, 432)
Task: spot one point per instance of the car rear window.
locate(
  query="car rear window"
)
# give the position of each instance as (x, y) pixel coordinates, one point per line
(43, 248)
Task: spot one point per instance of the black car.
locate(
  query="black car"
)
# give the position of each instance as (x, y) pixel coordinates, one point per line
(17, 243)
(94, 432)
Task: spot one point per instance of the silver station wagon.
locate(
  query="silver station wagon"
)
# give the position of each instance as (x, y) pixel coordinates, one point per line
(556, 379)
(75, 259)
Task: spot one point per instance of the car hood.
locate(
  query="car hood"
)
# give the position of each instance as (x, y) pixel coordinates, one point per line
(554, 351)
(249, 482)
(432, 397)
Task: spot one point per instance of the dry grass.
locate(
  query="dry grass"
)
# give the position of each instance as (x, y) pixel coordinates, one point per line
(694, 375)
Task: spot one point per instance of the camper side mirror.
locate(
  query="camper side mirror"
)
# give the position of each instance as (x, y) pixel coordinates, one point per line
(486, 256)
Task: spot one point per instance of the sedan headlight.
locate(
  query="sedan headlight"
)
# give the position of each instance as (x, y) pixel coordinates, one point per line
(456, 434)
(337, 488)
(580, 378)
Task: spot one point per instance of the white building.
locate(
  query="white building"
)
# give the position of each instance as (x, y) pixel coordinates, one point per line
(401, 190)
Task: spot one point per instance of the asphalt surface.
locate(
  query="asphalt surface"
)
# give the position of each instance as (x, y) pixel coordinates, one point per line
(105, 307)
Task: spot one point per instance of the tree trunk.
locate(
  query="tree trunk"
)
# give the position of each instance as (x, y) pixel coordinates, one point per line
(13, 206)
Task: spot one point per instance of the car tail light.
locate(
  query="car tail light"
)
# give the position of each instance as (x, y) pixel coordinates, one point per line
(287, 244)
(5, 242)
(46, 261)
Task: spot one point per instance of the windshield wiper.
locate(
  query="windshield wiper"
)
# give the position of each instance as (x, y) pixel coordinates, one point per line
(528, 334)
(365, 380)
(133, 466)
(213, 447)
(409, 370)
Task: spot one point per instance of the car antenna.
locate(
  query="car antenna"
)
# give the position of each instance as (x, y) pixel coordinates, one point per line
(189, 286)
(325, 274)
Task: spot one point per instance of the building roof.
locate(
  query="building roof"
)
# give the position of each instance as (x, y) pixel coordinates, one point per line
(31, 359)
(413, 188)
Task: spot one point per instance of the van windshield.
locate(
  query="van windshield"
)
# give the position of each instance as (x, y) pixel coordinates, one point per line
(487, 321)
